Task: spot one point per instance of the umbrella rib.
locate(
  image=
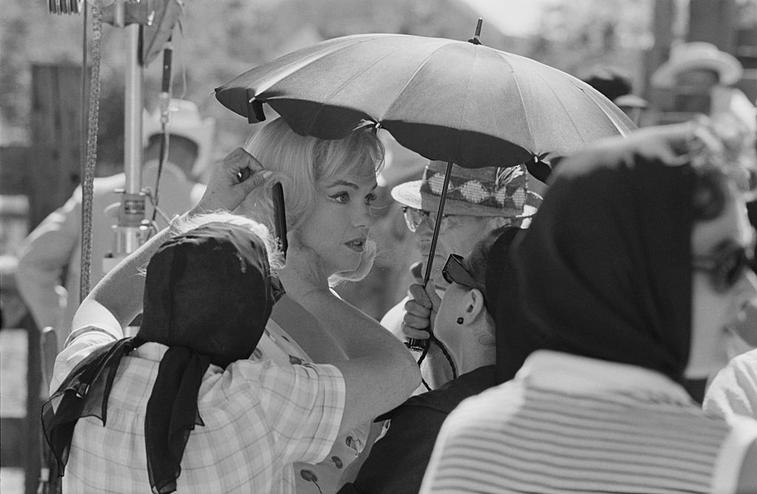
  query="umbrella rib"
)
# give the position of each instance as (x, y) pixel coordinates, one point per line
(301, 64)
(593, 97)
(570, 117)
(346, 83)
(565, 110)
(410, 79)
(522, 103)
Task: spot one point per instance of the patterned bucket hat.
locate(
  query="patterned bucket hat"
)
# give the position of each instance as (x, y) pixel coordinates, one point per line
(493, 191)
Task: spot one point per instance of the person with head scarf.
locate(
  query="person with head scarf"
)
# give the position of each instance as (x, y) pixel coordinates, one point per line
(628, 275)
(190, 403)
(465, 324)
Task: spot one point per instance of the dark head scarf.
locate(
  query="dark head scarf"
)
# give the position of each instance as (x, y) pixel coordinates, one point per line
(490, 264)
(208, 296)
(604, 271)
(505, 307)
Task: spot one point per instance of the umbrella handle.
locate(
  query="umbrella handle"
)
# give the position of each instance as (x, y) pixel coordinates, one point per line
(413, 343)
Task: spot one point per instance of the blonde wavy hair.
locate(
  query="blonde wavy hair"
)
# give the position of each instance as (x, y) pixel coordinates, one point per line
(299, 163)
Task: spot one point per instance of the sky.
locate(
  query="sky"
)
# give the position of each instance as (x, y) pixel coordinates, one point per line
(512, 17)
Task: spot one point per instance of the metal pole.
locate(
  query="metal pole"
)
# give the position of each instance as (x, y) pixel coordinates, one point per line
(132, 230)
(133, 114)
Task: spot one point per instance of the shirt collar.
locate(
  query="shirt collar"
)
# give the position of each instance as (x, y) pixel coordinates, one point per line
(151, 351)
(564, 371)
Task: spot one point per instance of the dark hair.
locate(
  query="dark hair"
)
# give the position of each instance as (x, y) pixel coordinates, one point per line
(609, 81)
(484, 260)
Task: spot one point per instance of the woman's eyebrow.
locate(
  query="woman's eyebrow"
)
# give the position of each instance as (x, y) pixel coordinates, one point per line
(343, 182)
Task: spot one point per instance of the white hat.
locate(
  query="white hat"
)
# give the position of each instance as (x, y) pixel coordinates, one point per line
(184, 120)
(697, 55)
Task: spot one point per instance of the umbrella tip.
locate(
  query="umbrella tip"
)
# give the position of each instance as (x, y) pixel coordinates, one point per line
(475, 39)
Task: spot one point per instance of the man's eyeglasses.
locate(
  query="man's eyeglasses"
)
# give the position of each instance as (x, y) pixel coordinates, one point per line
(414, 218)
(726, 266)
(454, 272)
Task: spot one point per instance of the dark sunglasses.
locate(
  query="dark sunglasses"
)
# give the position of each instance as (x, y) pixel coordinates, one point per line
(454, 272)
(726, 266)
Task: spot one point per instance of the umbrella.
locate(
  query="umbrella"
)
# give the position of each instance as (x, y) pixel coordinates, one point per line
(444, 99)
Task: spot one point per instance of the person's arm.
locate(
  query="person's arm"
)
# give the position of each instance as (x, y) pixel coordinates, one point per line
(380, 373)
(42, 258)
(121, 291)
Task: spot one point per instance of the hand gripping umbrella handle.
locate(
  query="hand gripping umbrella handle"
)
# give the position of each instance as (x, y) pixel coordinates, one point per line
(413, 343)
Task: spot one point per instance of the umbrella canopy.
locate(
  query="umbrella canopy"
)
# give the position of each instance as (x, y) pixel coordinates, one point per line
(444, 99)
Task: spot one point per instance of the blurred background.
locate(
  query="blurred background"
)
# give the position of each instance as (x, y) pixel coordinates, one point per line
(40, 70)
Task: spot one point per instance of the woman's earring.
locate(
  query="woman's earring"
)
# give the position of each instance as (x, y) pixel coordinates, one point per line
(460, 320)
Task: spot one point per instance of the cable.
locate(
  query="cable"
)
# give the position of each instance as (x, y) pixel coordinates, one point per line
(88, 177)
(433, 339)
(165, 103)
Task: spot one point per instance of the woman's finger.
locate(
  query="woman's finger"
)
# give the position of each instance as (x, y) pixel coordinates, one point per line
(418, 293)
(224, 189)
(415, 322)
(413, 307)
(418, 334)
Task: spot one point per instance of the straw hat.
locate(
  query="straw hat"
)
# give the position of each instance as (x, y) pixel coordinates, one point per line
(185, 121)
(493, 191)
(698, 55)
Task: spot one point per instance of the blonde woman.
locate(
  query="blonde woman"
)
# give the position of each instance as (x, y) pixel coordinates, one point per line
(328, 187)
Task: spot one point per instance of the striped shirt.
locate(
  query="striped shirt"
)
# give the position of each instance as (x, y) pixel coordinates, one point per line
(573, 424)
(259, 417)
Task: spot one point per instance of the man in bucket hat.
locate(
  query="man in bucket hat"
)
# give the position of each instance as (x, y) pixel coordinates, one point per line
(52, 252)
(478, 201)
(694, 74)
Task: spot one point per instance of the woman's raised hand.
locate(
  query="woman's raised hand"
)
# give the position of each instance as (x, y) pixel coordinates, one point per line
(420, 310)
(232, 179)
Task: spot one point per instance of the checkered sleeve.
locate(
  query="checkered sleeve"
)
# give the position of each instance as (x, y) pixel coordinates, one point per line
(303, 404)
(80, 344)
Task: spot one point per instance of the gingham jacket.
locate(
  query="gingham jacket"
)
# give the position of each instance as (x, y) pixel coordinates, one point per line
(259, 417)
